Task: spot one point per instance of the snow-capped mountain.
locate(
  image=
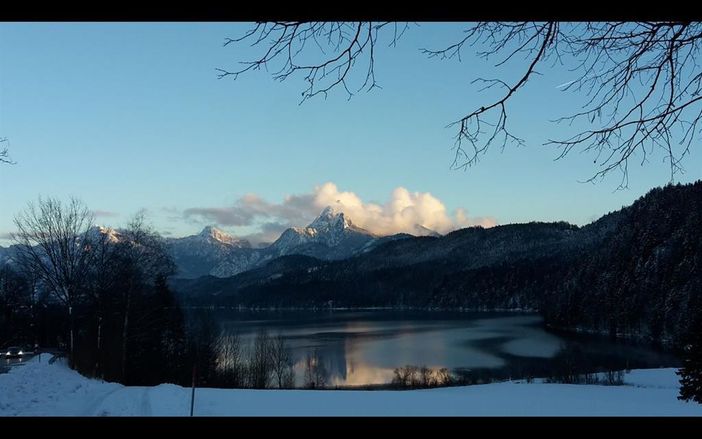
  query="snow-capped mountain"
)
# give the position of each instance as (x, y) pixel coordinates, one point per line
(213, 235)
(330, 236)
(197, 255)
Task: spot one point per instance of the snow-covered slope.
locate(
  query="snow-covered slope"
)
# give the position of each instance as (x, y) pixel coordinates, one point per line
(5, 254)
(213, 235)
(42, 389)
(370, 245)
(420, 230)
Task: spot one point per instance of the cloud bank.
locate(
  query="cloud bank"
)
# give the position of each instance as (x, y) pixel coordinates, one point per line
(104, 214)
(417, 213)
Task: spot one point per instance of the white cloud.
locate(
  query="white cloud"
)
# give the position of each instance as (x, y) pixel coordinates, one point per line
(403, 212)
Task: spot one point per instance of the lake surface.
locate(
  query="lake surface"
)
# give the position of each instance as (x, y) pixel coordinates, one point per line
(364, 347)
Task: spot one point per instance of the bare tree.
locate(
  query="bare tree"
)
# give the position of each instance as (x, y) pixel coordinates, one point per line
(640, 81)
(442, 377)
(407, 376)
(4, 153)
(260, 365)
(426, 377)
(104, 275)
(230, 363)
(143, 259)
(54, 242)
(282, 363)
(315, 371)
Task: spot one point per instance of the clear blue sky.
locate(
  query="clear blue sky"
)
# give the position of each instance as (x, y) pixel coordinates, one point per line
(131, 116)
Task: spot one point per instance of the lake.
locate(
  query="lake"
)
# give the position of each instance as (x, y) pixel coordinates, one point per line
(358, 348)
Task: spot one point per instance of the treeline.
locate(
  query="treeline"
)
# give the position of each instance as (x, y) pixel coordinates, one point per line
(645, 280)
(572, 364)
(421, 377)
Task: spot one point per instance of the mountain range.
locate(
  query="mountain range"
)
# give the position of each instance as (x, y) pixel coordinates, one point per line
(331, 236)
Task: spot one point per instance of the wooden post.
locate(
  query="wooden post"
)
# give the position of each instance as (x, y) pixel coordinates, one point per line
(192, 394)
(71, 323)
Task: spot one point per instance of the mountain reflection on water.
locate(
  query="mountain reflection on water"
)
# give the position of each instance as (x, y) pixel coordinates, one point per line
(364, 347)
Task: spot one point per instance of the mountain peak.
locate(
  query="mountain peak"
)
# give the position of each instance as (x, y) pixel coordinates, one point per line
(331, 229)
(97, 232)
(216, 234)
(330, 211)
(329, 218)
(426, 231)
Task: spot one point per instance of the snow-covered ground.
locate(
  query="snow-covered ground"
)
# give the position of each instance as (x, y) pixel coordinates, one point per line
(38, 388)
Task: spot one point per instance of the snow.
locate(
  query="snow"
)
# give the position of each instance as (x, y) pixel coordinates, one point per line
(337, 235)
(328, 218)
(38, 388)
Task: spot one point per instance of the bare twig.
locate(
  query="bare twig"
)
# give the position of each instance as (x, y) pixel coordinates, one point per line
(4, 153)
(342, 45)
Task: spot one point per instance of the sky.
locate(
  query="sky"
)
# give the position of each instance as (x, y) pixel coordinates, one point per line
(131, 117)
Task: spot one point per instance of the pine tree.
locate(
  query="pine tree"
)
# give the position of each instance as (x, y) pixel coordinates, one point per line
(691, 372)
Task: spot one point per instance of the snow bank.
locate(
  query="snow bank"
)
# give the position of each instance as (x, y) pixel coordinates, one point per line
(40, 388)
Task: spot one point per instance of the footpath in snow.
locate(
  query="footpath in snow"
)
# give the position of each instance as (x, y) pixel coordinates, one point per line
(42, 389)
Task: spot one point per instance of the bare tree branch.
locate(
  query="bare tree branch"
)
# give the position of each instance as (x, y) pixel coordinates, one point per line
(641, 81)
(471, 128)
(56, 245)
(342, 46)
(4, 153)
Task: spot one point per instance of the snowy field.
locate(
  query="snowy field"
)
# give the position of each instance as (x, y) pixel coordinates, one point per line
(39, 389)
